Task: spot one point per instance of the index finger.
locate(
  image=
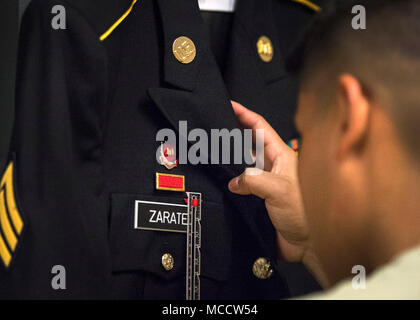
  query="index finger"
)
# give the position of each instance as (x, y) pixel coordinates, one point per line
(273, 144)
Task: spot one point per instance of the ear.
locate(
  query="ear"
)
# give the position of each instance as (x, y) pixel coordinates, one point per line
(354, 114)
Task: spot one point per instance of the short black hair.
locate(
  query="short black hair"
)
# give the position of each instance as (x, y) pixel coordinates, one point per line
(384, 57)
(320, 33)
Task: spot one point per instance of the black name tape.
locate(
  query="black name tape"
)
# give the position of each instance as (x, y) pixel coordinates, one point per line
(160, 216)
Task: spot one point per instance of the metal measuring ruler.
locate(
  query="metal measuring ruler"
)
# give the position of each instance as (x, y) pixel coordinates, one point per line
(193, 264)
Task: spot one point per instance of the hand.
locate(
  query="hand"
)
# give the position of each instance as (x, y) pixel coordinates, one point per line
(277, 184)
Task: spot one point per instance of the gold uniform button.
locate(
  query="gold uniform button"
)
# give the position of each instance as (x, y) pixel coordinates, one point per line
(265, 49)
(184, 49)
(167, 261)
(262, 268)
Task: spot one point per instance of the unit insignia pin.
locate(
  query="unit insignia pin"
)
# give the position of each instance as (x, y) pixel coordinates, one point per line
(168, 156)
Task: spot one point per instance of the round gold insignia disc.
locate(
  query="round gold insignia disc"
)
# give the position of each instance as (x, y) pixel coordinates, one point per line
(262, 268)
(265, 49)
(184, 49)
(167, 261)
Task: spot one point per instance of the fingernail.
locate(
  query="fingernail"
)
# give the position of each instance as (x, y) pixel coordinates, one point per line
(234, 184)
(253, 171)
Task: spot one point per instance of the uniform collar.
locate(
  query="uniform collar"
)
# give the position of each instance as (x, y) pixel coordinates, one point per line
(181, 18)
(256, 18)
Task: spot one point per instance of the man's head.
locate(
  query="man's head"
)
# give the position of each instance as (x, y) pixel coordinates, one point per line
(359, 118)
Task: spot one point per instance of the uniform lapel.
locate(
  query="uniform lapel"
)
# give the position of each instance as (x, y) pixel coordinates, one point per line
(255, 18)
(196, 92)
(247, 75)
(181, 18)
(193, 92)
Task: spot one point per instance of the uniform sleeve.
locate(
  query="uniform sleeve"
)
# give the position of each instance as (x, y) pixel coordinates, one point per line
(53, 180)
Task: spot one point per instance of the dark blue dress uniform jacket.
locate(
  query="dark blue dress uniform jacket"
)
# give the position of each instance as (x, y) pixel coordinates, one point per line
(84, 144)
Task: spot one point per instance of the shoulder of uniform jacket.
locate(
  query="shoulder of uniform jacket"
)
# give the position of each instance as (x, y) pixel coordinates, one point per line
(103, 15)
(313, 5)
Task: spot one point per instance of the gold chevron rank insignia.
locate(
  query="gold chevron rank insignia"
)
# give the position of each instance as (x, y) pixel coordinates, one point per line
(11, 223)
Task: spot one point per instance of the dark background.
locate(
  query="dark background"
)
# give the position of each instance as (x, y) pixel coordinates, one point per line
(9, 24)
(10, 10)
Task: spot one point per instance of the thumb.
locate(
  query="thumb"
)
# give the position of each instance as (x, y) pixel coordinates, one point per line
(254, 181)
